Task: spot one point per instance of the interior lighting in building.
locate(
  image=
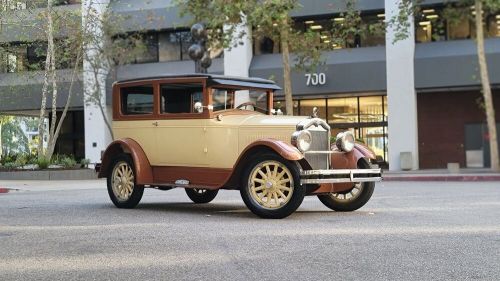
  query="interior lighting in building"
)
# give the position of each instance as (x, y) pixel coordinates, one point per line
(339, 19)
(422, 23)
(316, 27)
(275, 24)
(432, 16)
(326, 41)
(309, 22)
(425, 28)
(381, 15)
(324, 36)
(428, 11)
(498, 16)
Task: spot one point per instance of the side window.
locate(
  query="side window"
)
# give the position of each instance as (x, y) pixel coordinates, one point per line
(137, 100)
(180, 98)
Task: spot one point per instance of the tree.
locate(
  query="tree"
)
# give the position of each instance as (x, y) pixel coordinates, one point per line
(268, 18)
(454, 12)
(106, 51)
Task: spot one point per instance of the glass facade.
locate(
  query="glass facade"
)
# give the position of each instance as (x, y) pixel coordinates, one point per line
(370, 33)
(434, 24)
(365, 116)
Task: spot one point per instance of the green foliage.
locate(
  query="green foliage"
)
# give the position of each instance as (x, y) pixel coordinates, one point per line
(84, 163)
(42, 162)
(68, 162)
(10, 166)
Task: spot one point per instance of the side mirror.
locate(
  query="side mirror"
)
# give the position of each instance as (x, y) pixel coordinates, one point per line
(198, 107)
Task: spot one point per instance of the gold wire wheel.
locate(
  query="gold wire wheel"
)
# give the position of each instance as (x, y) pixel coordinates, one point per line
(123, 181)
(348, 195)
(271, 184)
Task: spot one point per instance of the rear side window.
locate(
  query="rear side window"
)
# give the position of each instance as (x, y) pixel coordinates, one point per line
(137, 100)
(180, 98)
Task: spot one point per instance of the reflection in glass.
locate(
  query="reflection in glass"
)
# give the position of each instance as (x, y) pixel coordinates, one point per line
(370, 109)
(306, 107)
(342, 110)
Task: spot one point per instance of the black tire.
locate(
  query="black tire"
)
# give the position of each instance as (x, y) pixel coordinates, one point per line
(356, 201)
(129, 200)
(201, 196)
(289, 200)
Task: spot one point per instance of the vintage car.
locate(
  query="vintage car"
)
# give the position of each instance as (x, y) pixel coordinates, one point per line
(208, 132)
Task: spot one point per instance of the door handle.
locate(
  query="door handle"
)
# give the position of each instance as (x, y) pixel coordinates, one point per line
(155, 123)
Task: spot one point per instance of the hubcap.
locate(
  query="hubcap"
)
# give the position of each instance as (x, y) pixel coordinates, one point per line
(271, 184)
(123, 181)
(348, 195)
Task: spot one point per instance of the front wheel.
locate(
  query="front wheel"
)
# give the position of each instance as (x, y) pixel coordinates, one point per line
(352, 199)
(122, 190)
(201, 196)
(271, 187)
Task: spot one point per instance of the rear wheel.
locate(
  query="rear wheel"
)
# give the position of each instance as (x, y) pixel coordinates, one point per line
(271, 187)
(122, 190)
(201, 196)
(352, 199)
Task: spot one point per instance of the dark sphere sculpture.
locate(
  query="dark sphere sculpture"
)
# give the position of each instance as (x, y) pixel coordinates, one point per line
(206, 61)
(195, 52)
(198, 31)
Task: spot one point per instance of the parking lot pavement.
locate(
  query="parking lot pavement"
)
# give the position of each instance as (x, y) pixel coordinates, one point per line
(408, 231)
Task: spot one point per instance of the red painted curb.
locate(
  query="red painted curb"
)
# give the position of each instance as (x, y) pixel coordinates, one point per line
(443, 178)
(4, 190)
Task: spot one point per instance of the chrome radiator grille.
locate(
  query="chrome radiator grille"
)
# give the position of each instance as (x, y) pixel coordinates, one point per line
(320, 142)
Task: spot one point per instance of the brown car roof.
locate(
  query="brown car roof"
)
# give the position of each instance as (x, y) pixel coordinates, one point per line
(214, 79)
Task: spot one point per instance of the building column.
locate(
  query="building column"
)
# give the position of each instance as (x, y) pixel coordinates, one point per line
(97, 136)
(237, 60)
(401, 95)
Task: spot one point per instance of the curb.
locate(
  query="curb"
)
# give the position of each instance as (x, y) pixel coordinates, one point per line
(4, 190)
(457, 178)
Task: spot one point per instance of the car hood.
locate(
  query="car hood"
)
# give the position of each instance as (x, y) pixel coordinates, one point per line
(259, 120)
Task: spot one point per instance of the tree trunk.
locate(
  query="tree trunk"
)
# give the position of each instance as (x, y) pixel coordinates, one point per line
(485, 83)
(287, 82)
(52, 73)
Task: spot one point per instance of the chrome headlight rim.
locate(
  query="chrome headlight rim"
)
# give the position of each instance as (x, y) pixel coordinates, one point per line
(345, 141)
(302, 140)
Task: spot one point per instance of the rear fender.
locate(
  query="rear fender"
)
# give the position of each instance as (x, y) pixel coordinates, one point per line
(144, 172)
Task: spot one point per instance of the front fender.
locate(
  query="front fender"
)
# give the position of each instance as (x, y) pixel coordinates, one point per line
(143, 170)
(284, 149)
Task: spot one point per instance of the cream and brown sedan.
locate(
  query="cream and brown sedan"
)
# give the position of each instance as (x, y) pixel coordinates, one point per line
(207, 132)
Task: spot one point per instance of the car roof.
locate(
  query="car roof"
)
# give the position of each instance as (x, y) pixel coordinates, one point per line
(214, 79)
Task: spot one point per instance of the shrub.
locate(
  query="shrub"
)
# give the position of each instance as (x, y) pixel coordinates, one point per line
(67, 162)
(42, 162)
(10, 166)
(22, 160)
(85, 163)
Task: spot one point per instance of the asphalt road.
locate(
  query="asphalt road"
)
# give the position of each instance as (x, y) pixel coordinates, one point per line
(408, 231)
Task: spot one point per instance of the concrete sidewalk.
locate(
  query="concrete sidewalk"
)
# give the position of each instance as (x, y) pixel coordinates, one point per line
(467, 174)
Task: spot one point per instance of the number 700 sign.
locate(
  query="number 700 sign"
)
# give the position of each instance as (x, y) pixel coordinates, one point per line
(314, 79)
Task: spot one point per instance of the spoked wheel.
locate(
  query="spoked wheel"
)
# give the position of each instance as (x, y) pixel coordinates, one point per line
(271, 187)
(352, 199)
(201, 196)
(121, 183)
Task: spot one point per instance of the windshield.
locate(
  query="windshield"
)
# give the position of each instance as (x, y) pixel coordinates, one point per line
(250, 100)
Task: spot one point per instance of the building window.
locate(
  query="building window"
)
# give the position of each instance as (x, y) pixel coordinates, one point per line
(371, 33)
(432, 25)
(343, 110)
(306, 107)
(150, 43)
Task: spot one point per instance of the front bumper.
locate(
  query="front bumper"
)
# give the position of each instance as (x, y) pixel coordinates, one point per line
(340, 176)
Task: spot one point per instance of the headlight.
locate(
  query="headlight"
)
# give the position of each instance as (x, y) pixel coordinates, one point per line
(302, 140)
(345, 141)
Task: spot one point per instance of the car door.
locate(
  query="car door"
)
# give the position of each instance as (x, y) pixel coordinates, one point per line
(135, 115)
(180, 132)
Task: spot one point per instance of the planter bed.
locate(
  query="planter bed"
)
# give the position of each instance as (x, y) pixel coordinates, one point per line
(48, 174)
